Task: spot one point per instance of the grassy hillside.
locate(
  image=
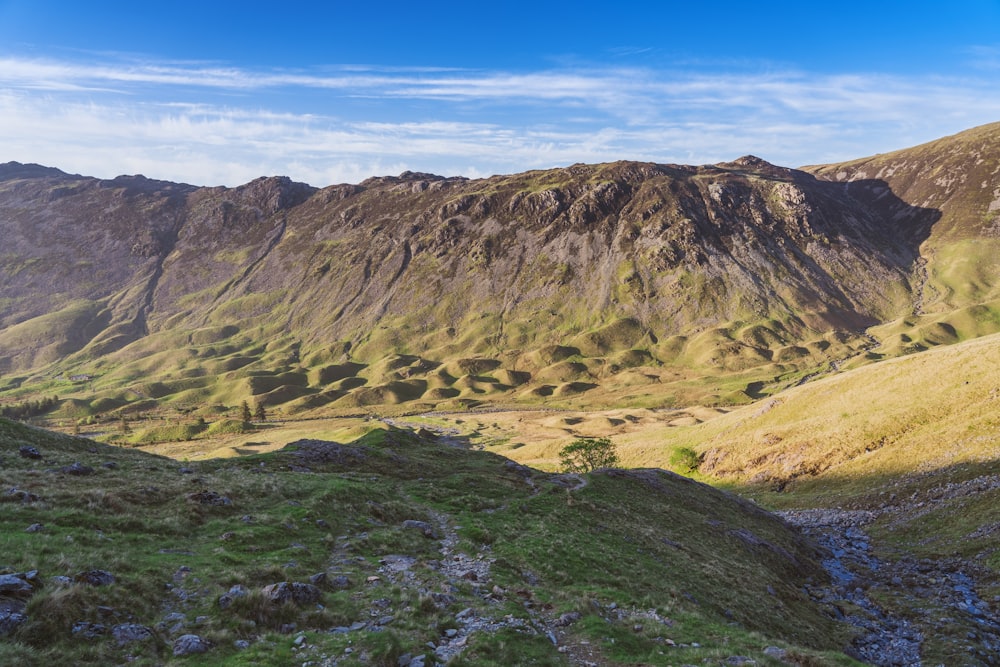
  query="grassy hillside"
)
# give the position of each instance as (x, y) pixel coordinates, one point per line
(389, 545)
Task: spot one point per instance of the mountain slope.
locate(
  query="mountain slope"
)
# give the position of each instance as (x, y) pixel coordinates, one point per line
(390, 545)
(719, 267)
(958, 272)
(652, 283)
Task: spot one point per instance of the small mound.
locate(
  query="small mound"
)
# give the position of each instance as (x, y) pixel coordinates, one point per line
(441, 393)
(334, 372)
(620, 335)
(262, 384)
(551, 354)
(572, 388)
(474, 366)
(564, 371)
(228, 427)
(512, 378)
(631, 358)
(540, 392)
(440, 378)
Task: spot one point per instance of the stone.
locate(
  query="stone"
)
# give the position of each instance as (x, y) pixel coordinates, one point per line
(226, 599)
(190, 644)
(78, 469)
(207, 497)
(126, 633)
(241, 644)
(568, 618)
(109, 465)
(23, 496)
(10, 621)
(88, 630)
(298, 593)
(425, 528)
(35, 528)
(775, 652)
(318, 579)
(13, 585)
(29, 452)
(95, 578)
(340, 582)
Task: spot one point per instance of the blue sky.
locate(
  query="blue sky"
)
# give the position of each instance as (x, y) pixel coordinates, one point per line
(326, 92)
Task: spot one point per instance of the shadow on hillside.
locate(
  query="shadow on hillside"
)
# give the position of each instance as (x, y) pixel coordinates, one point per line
(891, 492)
(896, 225)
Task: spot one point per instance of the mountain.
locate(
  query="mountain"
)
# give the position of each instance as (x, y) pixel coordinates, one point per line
(652, 284)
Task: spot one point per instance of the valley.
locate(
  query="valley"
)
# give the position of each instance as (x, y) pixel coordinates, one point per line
(371, 384)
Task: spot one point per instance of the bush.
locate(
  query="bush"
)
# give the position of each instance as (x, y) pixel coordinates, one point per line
(685, 459)
(588, 454)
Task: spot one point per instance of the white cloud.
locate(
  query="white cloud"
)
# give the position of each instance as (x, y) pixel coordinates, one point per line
(210, 124)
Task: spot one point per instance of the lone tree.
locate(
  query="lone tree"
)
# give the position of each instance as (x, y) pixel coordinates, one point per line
(588, 454)
(245, 413)
(260, 414)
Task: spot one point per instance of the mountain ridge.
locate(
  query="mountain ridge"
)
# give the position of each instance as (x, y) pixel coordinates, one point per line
(742, 268)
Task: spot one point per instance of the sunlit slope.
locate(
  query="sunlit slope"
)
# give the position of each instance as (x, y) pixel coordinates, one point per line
(914, 414)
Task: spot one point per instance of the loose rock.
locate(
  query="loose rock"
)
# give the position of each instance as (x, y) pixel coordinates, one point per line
(298, 593)
(127, 633)
(95, 578)
(77, 469)
(209, 498)
(29, 452)
(190, 644)
(11, 584)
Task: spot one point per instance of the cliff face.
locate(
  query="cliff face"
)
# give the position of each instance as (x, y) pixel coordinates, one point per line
(715, 267)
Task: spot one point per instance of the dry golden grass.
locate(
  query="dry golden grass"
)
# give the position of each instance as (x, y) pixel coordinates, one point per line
(913, 414)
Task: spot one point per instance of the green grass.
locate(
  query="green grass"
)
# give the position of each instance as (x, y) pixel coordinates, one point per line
(643, 541)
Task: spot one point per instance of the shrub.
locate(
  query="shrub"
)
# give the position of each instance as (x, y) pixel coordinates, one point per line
(588, 454)
(685, 459)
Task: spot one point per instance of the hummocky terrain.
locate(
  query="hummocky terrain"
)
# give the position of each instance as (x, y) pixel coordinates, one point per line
(752, 326)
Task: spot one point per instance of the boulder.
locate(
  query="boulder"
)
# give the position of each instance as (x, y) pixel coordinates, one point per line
(298, 593)
(13, 585)
(126, 633)
(190, 644)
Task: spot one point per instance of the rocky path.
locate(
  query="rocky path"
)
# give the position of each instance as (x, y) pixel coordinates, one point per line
(939, 594)
(443, 581)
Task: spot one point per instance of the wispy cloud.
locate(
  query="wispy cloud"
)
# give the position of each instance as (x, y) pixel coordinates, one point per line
(209, 123)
